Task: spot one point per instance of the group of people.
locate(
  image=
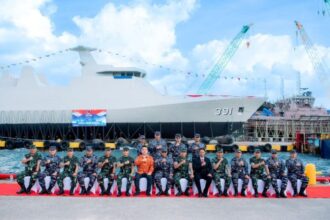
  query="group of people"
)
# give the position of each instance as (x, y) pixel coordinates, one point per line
(155, 161)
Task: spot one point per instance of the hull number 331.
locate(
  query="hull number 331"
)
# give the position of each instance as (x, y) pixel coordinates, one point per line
(223, 111)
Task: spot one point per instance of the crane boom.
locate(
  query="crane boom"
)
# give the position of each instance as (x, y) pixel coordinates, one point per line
(319, 67)
(222, 62)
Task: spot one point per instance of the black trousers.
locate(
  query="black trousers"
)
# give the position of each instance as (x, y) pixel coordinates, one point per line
(137, 182)
(197, 177)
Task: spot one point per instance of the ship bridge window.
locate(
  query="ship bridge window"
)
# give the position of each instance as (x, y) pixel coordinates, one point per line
(240, 109)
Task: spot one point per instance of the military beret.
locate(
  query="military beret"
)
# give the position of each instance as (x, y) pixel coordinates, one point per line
(197, 135)
(125, 149)
(178, 135)
(32, 146)
(69, 149)
(219, 150)
(238, 151)
(274, 151)
(157, 132)
(293, 151)
(52, 147)
(164, 149)
(142, 137)
(89, 148)
(257, 151)
(183, 149)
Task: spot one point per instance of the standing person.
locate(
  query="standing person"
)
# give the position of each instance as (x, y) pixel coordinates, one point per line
(145, 168)
(239, 170)
(296, 170)
(156, 145)
(89, 165)
(126, 165)
(32, 162)
(183, 170)
(52, 168)
(70, 164)
(276, 169)
(142, 142)
(174, 149)
(107, 164)
(221, 170)
(202, 169)
(196, 146)
(259, 170)
(163, 169)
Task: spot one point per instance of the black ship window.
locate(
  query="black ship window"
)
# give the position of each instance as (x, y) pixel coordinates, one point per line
(241, 109)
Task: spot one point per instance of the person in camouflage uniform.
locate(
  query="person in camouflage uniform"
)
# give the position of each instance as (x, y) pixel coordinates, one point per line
(156, 145)
(259, 170)
(182, 170)
(239, 170)
(174, 149)
(276, 169)
(32, 162)
(126, 165)
(51, 163)
(296, 170)
(89, 165)
(70, 164)
(107, 164)
(163, 169)
(196, 146)
(221, 171)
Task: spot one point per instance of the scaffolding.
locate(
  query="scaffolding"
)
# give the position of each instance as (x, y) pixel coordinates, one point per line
(277, 129)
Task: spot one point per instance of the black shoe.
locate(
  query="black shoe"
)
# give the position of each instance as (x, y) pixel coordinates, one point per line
(235, 192)
(21, 191)
(243, 193)
(49, 191)
(72, 191)
(136, 193)
(282, 194)
(179, 193)
(166, 193)
(43, 191)
(119, 193)
(127, 193)
(225, 193)
(88, 191)
(159, 193)
(256, 195)
(302, 193)
(148, 194)
(61, 192)
(83, 191)
(220, 193)
(200, 195)
(102, 190)
(264, 194)
(205, 195)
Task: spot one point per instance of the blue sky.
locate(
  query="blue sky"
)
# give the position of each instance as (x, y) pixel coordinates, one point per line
(186, 35)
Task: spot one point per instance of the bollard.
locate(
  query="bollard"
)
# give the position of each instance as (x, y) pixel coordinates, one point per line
(310, 172)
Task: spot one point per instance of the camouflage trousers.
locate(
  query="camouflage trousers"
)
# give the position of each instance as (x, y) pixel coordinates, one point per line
(21, 175)
(263, 177)
(53, 179)
(159, 175)
(275, 177)
(217, 180)
(101, 176)
(63, 175)
(120, 178)
(294, 178)
(178, 176)
(236, 176)
(81, 179)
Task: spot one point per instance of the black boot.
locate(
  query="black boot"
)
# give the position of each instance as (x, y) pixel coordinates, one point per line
(256, 194)
(243, 192)
(102, 190)
(179, 193)
(277, 193)
(264, 193)
(282, 194)
(166, 193)
(61, 192)
(22, 190)
(43, 191)
(160, 192)
(83, 190)
(225, 193)
(49, 190)
(108, 191)
(88, 191)
(219, 192)
(186, 192)
(128, 187)
(295, 193)
(302, 192)
(72, 190)
(28, 189)
(119, 192)
(235, 191)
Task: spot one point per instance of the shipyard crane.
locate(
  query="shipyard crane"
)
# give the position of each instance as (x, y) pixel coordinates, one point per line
(222, 61)
(319, 66)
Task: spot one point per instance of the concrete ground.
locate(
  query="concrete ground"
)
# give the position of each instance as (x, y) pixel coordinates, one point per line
(161, 208)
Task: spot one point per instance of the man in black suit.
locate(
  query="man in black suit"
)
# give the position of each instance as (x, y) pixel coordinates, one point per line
(202, 169)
